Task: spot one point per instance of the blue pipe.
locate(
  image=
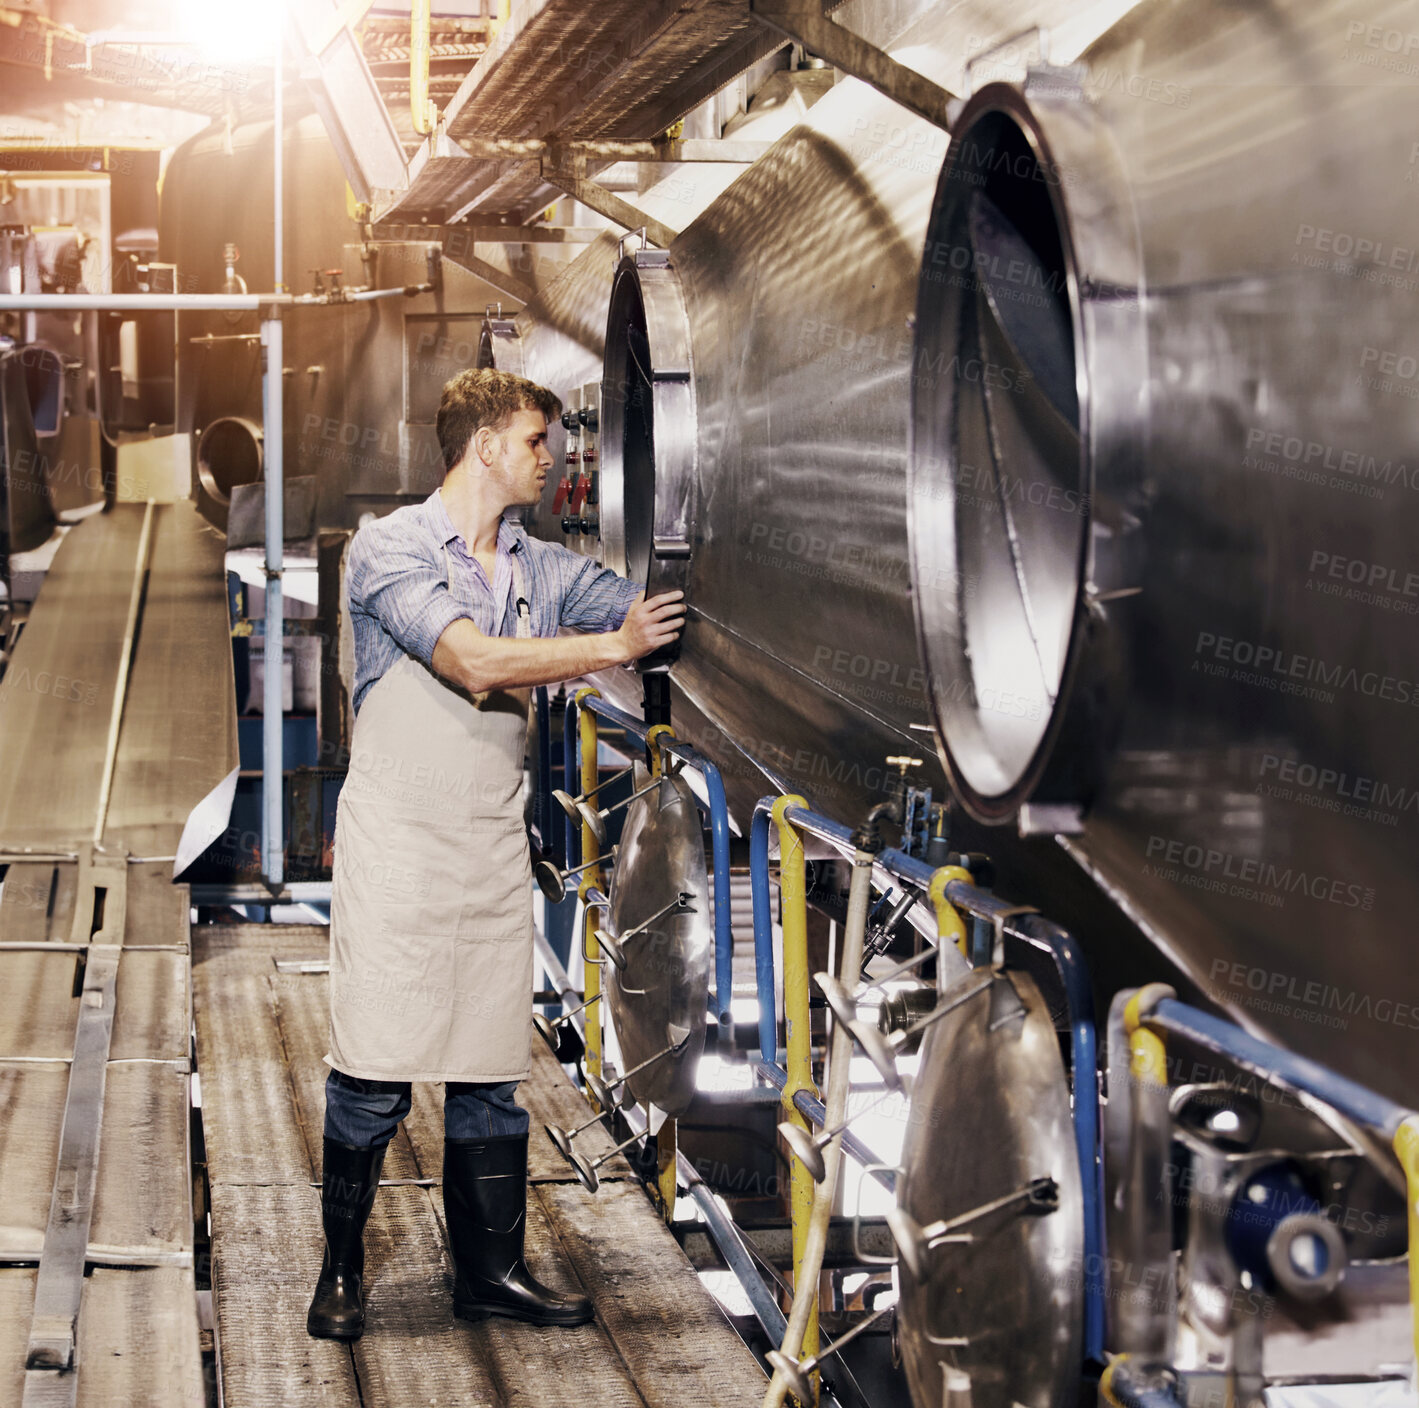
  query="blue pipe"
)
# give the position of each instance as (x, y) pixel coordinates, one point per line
(571, 783)
(763, 931)
(616, 716)
(1272, 1063)
(719, 845)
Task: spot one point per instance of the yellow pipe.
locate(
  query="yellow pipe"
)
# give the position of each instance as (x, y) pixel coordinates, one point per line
(666, 1136)
(950, 927)
(590, 777)
(1106, 1381)
(652, 742)
(420, 108)
(1406, 1146)
(1149, 1056)
(793, 895)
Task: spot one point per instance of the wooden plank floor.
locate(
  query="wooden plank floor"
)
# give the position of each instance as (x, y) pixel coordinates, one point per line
(658, 1338)
(138, 1324)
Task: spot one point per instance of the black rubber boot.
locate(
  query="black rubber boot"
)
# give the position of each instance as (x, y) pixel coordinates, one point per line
(349, 1178)
(485, 1201)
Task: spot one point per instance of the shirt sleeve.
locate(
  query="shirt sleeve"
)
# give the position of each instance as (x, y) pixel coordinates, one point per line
(595, 598)
(402, 589)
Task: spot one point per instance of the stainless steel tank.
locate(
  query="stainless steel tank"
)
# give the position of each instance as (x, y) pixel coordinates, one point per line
(1185, 494)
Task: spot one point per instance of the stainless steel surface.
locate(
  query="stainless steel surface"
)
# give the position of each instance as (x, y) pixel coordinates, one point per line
(1229, 640)
(660, 997)
(798, 285)
(648, 429)
(175, 744)
(991, 1114)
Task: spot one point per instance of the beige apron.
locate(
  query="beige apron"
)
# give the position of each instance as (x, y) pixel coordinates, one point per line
(431, 905)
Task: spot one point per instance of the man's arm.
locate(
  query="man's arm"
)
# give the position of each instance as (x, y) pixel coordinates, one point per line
(477, 662)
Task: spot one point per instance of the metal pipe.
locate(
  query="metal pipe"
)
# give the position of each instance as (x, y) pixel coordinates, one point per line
(801, 1337)
(120, 688)
(763, 932)
(719, 853)
(141, 302)
(1069, 963)
(569, 780)
(1278, 1067)
(278, 160)
(420, 108)
(803, 1323)
(590, 850)
(815, 1111)
(272, 719)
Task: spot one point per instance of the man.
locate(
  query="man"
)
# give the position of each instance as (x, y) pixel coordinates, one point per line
(455, 613)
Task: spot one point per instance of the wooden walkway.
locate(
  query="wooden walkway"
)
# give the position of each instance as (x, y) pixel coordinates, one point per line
(659, 1338)
(137, 1326)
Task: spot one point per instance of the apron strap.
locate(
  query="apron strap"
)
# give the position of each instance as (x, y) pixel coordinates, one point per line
(522, 604)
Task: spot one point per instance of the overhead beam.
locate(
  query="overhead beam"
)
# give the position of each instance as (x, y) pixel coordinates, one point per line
(488, 234)
(572, 181)
(693, 150)
(806, 22)
(510, 284)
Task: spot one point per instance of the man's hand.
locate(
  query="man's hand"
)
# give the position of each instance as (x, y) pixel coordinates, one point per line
(649, 625)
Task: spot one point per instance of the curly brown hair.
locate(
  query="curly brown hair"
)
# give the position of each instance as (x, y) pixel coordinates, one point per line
(482, 397)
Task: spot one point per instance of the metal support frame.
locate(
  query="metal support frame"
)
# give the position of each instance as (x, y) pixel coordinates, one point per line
(462, 255)
(1153, 1014)
(667, 150)
(718, 810)
(569, 176)
(721, 1226)
(590, 880)
(1029, 928)
(51, 1357)
(807, 23)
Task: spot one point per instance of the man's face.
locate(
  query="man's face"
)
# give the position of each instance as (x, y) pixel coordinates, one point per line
(519, 458)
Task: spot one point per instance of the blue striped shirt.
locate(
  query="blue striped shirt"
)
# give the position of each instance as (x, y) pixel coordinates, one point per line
(401, 600)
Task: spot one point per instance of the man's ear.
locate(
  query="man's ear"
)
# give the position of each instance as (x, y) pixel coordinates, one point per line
(482, 444)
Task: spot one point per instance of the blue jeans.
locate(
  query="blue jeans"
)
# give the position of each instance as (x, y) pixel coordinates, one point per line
(365, 1113)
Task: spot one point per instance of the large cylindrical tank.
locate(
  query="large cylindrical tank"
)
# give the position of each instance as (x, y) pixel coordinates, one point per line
(1228, 285)
(1186, 496)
